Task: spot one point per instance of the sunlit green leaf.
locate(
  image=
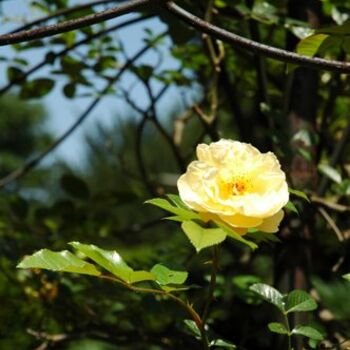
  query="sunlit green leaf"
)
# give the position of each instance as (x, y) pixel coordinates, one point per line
(222, 344)
(308, 332)
(236, 236)
(347, 277)
(269, 294)
(201, 237)
(185, 214)
(111, 261)
(291, 206)
(192, 327)
(310, 45)
(165, 276)
(299, 300)
(330, 172)
(277, 327)
(63, 261)
(299, 194)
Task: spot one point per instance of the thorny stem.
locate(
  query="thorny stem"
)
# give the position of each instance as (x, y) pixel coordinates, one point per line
(185, 305)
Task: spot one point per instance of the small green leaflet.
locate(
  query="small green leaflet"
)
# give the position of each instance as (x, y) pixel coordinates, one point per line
(63, 261)
(184, 214)
(299, 194)
(299, 300)
(308, 332)
(112, 262)
(192, 327)
(201, 237)
(269, 294)
(277, 327)
(291, 206)
(222, 344)
(236, 236)
(166, 276)
(347, 276)
(330, 172)
(311, 44)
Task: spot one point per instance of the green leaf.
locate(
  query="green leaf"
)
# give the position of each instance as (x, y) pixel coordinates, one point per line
(166, 276)
(36, 88)
(310, 45)
(202, 237)
(69, 90)
(236, 236)
(184, 214)
(347, 277)
(299, 300)
(258, 237)
(299, 194)
(330, 172)
(175, 199)
(291, 206)
(74, 186)
(219, 343)
(111, 261)
(63, 261)
(269, 294)
(343, 29)
(192, 327)
(308, 332)
(14, 73)
(277, 327)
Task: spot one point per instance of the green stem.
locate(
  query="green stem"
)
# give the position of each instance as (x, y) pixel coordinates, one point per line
(185, 305)
(212, 285)
(286, 321)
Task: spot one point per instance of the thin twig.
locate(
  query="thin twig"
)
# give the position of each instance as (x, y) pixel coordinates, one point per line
(27, 167)
(22, 77)
(66, 26)
(332, 224)
(253, 46)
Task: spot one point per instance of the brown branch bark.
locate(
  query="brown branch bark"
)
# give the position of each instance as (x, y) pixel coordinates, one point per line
(66, 26)
(253, 46)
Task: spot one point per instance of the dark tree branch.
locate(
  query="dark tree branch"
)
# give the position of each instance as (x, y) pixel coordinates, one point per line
(258, 48)
(63, 52)
(27, 167)
(67, 26)
(61, 13)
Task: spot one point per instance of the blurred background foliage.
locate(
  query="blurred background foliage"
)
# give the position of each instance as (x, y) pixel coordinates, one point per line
(300, 114)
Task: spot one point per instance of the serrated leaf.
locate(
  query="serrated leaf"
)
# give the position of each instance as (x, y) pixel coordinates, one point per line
(299, 194)
(63, 261)
(330, 172)
(310, 45)
(299, 300)
(270, 294)
(236, 236)
(201, 237)
(185, 214)
(308, 332)
(277, 327)
(347, 276)
(165, 276)
(219, 343)
(111, 261)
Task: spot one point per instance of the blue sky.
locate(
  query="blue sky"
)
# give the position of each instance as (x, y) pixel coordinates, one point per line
(62, 111)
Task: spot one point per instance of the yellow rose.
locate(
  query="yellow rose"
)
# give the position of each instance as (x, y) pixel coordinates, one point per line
(234, 183)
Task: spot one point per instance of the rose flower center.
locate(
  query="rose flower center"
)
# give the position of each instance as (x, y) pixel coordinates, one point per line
(236, 186)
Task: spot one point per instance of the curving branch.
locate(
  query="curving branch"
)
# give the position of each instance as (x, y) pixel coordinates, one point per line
(27, 167)
(253, 46)
(63, 52)
(60, 13)
(66, 26)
